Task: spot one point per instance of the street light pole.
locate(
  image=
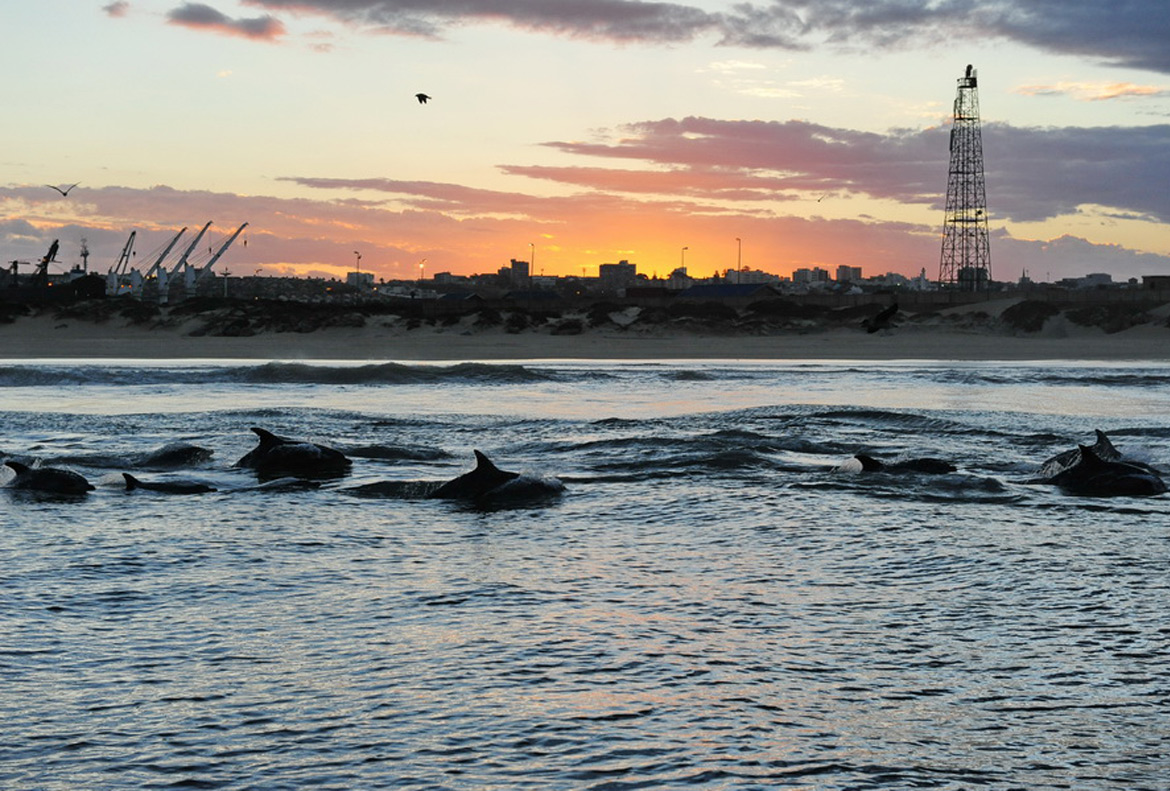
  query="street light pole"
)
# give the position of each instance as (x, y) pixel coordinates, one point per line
(738, 257)
(359, 260)
(682, 259)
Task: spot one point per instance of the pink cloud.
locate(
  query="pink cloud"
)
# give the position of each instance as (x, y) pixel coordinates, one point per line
(1094, 91)
(198, 16)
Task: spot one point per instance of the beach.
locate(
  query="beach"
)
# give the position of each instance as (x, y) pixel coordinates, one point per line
(965, 333)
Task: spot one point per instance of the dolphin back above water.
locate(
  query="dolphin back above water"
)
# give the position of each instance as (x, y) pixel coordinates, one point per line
(484, 479)
(48, 479)
(279, 456)
(1099, 470)
(1093, 476)
(166, 487)
(1103, 449)
(926, 466)
(174, 456)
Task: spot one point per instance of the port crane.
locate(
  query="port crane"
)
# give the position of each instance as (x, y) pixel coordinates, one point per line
(114, 277)
(223, 249)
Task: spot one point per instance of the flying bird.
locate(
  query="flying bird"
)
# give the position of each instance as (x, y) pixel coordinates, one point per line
(64, 192)
(422, 98)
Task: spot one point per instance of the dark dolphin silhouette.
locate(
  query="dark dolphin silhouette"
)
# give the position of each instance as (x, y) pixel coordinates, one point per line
(925, 465)
(174, 455)
(883, 320)
(167, 487)
(279, 456)
(48, 479)
(1102, 448)
(1093, 476)
(480, 482)
(422, 98)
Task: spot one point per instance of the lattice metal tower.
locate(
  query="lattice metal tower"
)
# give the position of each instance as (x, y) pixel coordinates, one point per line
(966, 253)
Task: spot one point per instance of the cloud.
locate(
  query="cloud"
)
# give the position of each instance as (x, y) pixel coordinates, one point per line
(118, 9)
(1132, 34)
(609, 20)
(1072, 256)
(1031, 173)
(203, 17)
(463, 229)
(1093, 91)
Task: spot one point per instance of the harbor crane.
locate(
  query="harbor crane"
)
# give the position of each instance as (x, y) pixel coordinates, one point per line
(223, 249)
(167, 251)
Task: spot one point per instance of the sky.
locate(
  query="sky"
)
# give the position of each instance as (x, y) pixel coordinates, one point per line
(766, 134)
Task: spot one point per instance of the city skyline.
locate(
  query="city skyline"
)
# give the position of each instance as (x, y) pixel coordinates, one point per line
(776, 135)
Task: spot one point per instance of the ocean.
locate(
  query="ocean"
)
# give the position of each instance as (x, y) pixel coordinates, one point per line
(709, 603)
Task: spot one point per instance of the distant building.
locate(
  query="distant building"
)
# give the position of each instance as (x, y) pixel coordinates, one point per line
(973, 278)
(516, 273)
(613, 277)
(363, 281)
(679, 279)
(848, 274)
(751, 276)
(810, 276)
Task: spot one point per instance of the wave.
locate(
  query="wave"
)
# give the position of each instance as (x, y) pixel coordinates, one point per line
(1050, 377)
(272, 373)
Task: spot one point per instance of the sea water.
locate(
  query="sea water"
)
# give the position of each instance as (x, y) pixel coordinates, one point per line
(708, 604)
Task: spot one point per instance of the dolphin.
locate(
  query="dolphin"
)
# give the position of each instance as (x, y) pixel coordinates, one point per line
(48, 479)
(1102, 449)
(279, 456)
(174, 455)
(480, 482)
(927, 466)
(1093, 476)
(167, 487)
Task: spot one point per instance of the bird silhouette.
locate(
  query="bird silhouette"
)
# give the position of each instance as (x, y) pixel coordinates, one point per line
(64, 192)
(884, 320)
(422, 98)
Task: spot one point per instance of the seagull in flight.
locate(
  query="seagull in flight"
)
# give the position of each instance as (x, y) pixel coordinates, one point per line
(422, 98)
(64, 192)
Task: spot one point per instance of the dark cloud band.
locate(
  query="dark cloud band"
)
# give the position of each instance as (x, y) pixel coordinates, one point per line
(1133, 33)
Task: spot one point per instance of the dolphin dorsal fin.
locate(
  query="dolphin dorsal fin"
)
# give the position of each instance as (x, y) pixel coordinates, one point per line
(483, 463)
(131, 481)
(1089, 457)
(1104, 448)
(266, 437)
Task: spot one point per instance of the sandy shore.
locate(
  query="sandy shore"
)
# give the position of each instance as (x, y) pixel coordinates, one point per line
(31, 338)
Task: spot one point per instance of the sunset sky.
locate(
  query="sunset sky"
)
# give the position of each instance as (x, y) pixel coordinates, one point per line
(583, 132)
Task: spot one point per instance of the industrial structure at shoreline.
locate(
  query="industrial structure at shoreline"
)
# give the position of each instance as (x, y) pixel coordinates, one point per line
(966, 247)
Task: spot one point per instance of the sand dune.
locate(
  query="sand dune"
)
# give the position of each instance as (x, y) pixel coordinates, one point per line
(987, 331)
